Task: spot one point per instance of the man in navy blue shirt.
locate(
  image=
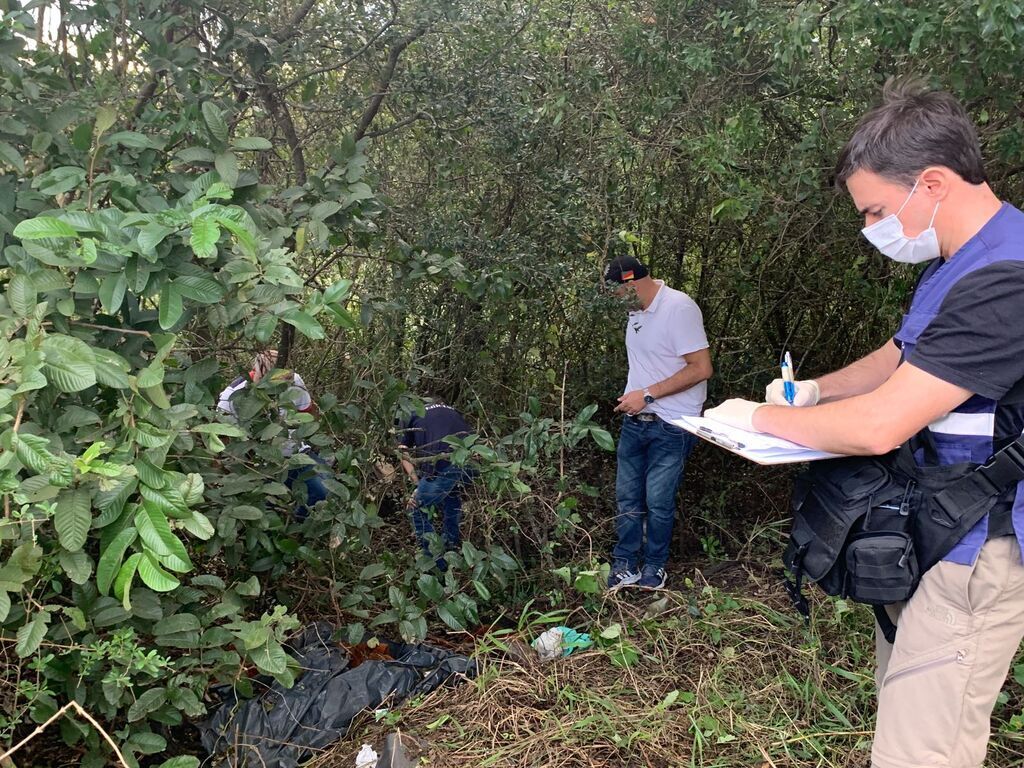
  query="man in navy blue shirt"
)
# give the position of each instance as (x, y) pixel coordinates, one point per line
(953, 374)
(439, 483)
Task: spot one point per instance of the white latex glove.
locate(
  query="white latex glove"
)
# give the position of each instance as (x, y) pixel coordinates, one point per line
(807, 393)
(736, 412)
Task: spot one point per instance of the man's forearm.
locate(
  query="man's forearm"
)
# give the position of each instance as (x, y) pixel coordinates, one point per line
(861, 377)
(680, 381)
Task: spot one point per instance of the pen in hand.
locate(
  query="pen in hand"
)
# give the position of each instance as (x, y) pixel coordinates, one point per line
(788, 387)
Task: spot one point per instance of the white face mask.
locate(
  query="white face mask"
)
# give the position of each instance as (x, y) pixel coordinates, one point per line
(888, 237)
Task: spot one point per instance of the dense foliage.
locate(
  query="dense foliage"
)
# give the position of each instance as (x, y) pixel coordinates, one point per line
(406, 199)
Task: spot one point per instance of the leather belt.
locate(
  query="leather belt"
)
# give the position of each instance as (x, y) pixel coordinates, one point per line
(643, 417)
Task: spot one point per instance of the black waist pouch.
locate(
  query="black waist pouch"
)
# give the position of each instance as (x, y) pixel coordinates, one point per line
(853, 532)
(867, 528)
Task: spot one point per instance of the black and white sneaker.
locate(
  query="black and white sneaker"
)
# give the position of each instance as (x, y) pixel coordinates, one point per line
(622, 575)
(652, 578)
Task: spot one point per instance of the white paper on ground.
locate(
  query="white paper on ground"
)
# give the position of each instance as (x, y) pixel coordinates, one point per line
(756, 446)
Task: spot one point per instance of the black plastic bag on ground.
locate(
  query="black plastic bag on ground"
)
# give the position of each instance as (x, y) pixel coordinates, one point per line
(283, 727)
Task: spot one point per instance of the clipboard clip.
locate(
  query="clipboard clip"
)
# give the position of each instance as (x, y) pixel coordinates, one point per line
(721, 439)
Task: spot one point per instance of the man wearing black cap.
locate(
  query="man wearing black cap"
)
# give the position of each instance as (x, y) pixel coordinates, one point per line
(669, 365)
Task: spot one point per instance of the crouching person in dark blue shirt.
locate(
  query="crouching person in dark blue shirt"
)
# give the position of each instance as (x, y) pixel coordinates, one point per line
(439, 483)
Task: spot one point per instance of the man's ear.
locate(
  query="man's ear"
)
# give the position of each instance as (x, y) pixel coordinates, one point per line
(936, 182)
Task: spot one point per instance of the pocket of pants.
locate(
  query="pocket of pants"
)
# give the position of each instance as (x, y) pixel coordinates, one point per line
(955, 654)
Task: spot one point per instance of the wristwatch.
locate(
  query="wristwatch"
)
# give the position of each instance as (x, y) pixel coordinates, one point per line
(648, 397)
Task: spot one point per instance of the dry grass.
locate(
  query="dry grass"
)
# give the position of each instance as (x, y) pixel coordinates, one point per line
(754, 687)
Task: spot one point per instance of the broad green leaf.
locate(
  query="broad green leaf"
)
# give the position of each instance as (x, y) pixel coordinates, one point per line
(194, 155)
(372, 571)
(270, 657)
(21, 295)
(72, 518)
(31, 634)
(43, 227)
(151, 235)
(251, 144)
(151, 700)
(226, 164)
(179, 622)
(59, 180)
(111, 368)
(155, 577)
(447, 612)
(49, 280)
(110, 560)
(133, 139)
(150, 474)
(41, 142)
(77, 565)
(170, 305)
(611, 632)
(303, 323)
(219, 191)
(12, 157)
(430, 587)
(182, 761)
(215, 122)
(205, 290)
(125, 577)
(199, 525)
(112, 290)
(32, 451)
(5, 605)
(70, 364)
(151, 375)
(342, 317)
(337, 292)
(166, 499)
(111, 501)
(157, 396)
(602, 438)
(154, 530)
(192, 488)
(204, 237)
(264, 327)
(216, 428)
(325, 209)
(146, 743)
(88, 251)
(105, 119)
(245, 238)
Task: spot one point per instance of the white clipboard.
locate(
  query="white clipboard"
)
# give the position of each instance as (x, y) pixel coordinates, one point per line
(755, 446)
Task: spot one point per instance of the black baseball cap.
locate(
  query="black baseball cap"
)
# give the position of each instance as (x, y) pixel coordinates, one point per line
(624, 269)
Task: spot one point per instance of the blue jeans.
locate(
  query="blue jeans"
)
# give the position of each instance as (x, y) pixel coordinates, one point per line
(315, 489)
(440, 492)
(651, 456)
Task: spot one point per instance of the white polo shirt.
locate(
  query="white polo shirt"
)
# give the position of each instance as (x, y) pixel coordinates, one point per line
(656, 340)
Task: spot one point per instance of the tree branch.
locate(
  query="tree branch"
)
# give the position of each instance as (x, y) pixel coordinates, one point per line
(385, 80)
(292, 27)
(332, 67)
(397, 126)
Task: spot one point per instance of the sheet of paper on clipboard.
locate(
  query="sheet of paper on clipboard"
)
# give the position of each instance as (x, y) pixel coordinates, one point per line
(756, 446)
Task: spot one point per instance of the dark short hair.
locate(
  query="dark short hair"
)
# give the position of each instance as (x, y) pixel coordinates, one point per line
(913, 128)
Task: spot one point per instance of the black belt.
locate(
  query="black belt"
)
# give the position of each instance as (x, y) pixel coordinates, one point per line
(642, 417)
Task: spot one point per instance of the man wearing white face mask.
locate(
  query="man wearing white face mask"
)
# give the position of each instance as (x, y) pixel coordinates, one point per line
(953, 378)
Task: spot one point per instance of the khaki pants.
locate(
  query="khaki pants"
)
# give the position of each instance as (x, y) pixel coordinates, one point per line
(957, 637)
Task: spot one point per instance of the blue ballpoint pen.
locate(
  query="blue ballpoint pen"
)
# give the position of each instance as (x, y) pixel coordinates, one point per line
(788, 387)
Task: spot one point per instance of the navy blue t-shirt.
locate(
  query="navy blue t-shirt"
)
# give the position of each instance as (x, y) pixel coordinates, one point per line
(424, 435)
